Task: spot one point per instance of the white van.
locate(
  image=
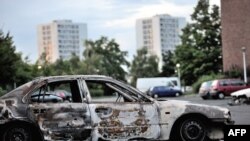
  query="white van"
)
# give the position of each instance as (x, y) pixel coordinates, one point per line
(144, 84)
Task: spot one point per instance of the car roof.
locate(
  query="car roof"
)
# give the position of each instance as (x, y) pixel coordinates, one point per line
(73, 77)
(229, 79)
(210, 81)
(160, 86)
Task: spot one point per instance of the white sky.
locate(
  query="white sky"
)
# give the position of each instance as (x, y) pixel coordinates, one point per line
(111, 18)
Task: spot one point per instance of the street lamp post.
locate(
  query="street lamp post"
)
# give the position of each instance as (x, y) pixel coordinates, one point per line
(179, 72)
(244, 63)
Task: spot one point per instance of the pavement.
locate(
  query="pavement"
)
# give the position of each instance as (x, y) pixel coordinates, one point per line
(240, 113)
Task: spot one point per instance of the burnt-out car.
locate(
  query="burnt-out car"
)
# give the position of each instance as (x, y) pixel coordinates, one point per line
(102, 108)
(240, 97)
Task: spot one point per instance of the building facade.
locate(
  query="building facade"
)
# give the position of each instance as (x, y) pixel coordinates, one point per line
(60, 39)
(235, 20)
(159, 34)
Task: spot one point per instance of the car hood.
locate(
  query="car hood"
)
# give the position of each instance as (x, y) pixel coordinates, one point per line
(242, 92)
(185, 107)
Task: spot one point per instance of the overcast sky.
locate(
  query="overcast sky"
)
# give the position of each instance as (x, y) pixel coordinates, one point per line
(111, 18)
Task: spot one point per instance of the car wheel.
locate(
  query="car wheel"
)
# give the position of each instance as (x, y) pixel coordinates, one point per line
(192, 130)
(241, 100)
(17, 133)
(204, 97)
(221, 95)
(177, 94)
(214, 97)
(155, 95)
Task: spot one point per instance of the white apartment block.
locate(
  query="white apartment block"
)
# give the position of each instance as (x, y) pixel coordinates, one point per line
(60, 39)
(159, 33)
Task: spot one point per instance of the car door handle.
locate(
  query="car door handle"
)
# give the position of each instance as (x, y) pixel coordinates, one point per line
(103, 110)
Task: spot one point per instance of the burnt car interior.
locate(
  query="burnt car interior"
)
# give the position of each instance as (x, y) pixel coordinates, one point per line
(59, 91)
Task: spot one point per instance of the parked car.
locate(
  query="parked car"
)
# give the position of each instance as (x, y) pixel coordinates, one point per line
(46, 98)
(240, 97)
(144, 84)
(163, 91)
(224, 87)
(204, 89)
(103, 108)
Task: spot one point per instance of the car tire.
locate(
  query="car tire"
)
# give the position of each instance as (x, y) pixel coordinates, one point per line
(17, 132)
(190, 130)
(177, 94)
(204, 97)
(239, 101)
(155, 96)
(221, 95)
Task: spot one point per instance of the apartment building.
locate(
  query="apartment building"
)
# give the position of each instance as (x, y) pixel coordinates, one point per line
(60, 39)
(159, 34)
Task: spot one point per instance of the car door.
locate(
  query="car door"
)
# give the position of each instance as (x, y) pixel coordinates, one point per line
(237, 85)
(225, 86)
(118, 115)
(59, 110)
(169, 91)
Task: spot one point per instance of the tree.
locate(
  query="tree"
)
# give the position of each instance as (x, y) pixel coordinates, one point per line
(143, 65)
(74, 63)
(168, 68)
(14, 70)
(200, 51)
(45, 68)
(24, 71)
(8, 60)
(66, 67)
(104, 56)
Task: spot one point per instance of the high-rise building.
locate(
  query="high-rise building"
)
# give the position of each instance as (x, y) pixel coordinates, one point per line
(235, 21)
(60, 39)
(159, 34)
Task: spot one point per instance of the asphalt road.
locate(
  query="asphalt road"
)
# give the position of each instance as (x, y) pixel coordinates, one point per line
(240, 113)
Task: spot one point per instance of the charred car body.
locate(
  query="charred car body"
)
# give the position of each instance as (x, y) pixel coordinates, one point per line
(101, 108)
(240, 97)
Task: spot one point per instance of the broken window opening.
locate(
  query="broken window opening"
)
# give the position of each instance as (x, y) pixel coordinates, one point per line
(101, 91)
(57, 92)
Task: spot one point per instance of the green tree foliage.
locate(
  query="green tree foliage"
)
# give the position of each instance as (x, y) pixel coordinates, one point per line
(104, 56)
(200, 51)
(2, 91)
(8, 60)
(74, 63)
(14, 71)
(143, 65)
(204, 78)
(24, 71)
(168, 68)
(66, 67)
(44, 68)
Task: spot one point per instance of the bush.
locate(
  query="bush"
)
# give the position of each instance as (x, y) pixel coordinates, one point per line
(204, 78)
(234, 72)
(2, 92)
